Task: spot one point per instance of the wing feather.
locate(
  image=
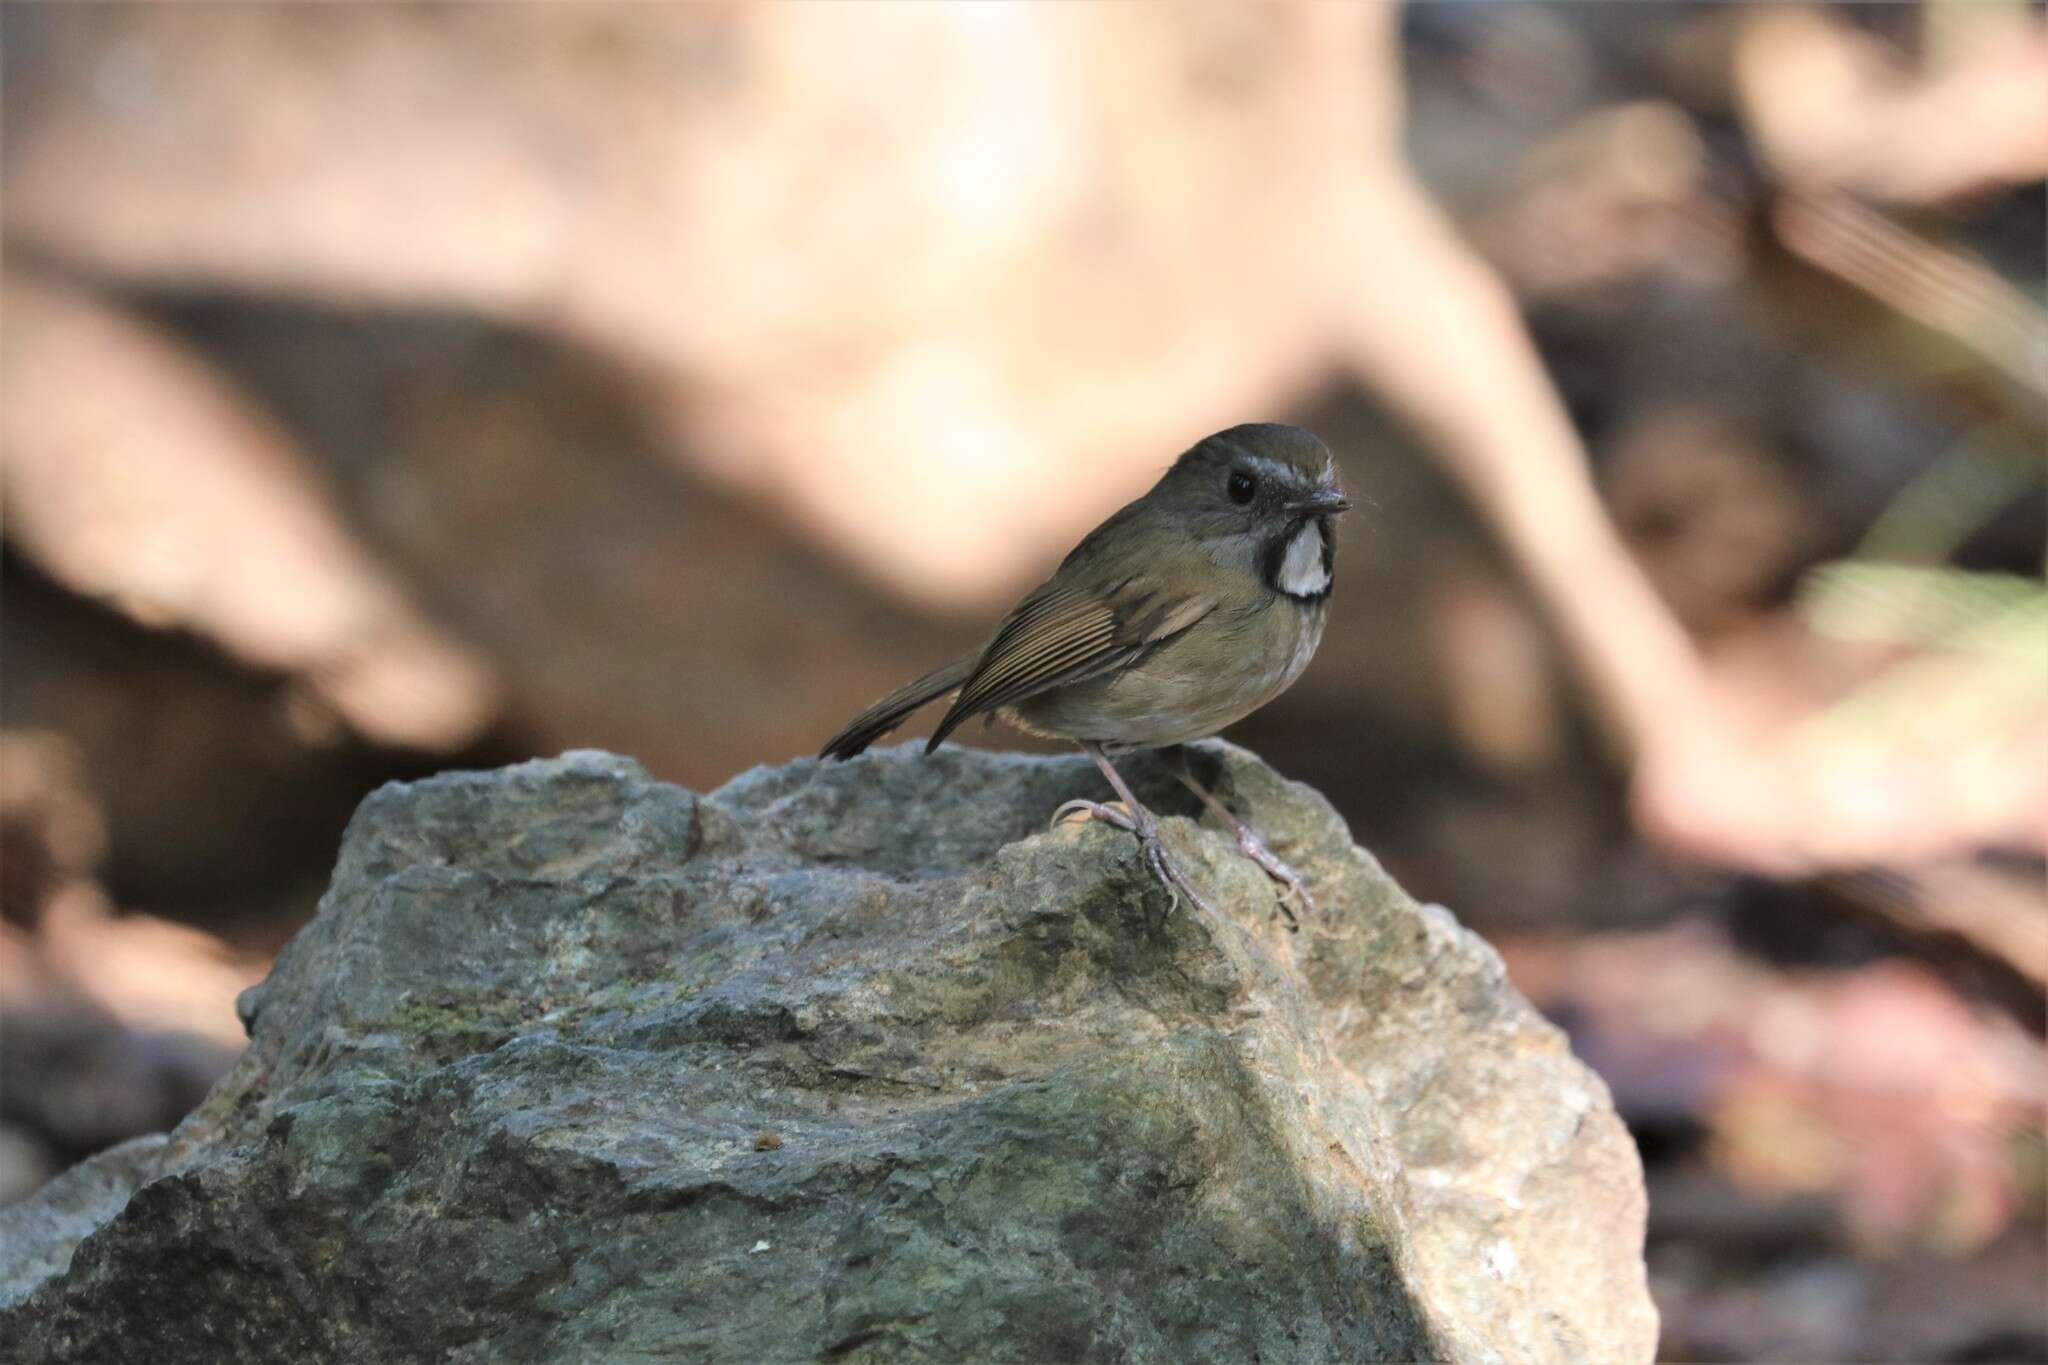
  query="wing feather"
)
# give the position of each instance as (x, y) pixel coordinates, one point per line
(1062, 635)
(888, 713)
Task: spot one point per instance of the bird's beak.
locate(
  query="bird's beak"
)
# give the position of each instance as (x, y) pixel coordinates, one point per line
(1323, 502)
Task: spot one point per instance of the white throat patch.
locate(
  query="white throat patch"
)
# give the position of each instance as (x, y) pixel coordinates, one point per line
(1301, 570)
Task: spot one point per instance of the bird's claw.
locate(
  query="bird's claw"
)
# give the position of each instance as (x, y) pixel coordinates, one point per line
(1169, 875)
(1295, 887)
(1150, 846)
(1096, 810)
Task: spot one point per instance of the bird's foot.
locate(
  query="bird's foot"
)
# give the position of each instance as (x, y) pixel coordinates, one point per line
(1110, 812)
(1296, 889)
(1254, 848)
(1151, 846)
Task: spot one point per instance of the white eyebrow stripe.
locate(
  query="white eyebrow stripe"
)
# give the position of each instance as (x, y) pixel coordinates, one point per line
(1274, 470)
(1280, 470)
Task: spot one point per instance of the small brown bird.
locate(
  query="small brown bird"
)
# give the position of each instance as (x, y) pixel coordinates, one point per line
(1186, 611)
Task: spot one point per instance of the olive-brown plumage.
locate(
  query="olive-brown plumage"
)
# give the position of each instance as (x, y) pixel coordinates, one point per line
(1185, 611)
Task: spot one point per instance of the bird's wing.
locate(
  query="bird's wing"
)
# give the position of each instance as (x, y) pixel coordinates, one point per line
(1062, 634)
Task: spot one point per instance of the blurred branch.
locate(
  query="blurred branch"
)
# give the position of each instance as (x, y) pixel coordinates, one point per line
(1440, 336)
(1437, 332)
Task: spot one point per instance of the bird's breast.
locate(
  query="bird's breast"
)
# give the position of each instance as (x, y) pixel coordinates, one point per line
(1216, 673)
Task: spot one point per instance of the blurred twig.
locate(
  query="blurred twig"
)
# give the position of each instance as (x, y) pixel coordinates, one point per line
(1923, 280)
(1964, 488)
(2000, 916)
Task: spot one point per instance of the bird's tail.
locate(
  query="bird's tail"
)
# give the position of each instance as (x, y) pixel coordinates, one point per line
(888, 713)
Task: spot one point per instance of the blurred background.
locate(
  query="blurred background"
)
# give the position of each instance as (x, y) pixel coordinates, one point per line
(392, 389)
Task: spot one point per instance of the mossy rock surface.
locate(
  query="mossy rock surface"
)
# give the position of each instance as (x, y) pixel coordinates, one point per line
(855, 1062)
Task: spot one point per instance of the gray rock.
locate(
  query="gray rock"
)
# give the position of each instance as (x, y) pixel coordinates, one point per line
(860, 1063)
(38, 1234)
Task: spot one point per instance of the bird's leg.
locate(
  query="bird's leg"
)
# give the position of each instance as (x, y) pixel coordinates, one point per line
(1254, 847)
(1139, 821)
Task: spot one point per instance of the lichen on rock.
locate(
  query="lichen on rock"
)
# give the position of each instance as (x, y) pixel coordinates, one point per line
(855, 1062)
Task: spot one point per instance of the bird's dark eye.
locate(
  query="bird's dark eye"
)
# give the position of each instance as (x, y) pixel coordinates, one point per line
(1242, 486)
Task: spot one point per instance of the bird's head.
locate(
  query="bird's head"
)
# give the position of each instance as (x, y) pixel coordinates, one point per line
(1261, 497)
